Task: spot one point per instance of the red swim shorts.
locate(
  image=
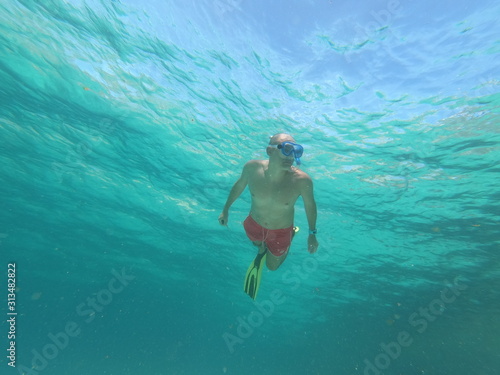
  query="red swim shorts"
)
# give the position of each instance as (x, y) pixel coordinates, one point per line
(277, 240)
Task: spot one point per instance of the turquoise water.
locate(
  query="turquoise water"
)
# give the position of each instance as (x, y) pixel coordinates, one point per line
(124, 124)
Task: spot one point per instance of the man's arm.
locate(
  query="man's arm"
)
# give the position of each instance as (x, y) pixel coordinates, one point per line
(235, 192)
(311, 212)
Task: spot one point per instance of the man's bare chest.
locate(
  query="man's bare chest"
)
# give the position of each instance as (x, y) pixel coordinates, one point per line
(285, 190)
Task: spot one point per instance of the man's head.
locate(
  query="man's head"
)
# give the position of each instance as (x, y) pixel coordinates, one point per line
(283, 150)
(279, 138)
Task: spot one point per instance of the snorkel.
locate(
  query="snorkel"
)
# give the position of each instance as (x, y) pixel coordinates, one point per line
(297, 159)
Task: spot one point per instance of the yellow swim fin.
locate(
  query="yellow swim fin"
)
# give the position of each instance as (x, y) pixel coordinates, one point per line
(254, 274)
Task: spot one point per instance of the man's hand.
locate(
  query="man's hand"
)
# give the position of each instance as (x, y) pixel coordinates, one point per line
(223, 218)
(312, 244)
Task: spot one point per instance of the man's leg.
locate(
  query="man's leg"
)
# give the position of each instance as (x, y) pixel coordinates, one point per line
(273, 262)
(280, 238)
(261, 245)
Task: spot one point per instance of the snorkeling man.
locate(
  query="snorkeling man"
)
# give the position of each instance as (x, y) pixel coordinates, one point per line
(275, 185)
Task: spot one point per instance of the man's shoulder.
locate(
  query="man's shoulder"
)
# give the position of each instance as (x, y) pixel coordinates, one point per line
(251, 164)
(303, 181)
(255, 161)
(301, 175)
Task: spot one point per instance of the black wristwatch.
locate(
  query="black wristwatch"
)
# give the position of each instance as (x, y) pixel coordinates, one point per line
(313, 231)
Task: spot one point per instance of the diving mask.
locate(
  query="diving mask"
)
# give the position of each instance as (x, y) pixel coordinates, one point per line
(287, 148)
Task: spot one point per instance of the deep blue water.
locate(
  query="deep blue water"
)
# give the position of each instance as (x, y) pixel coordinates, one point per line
(123, 126)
